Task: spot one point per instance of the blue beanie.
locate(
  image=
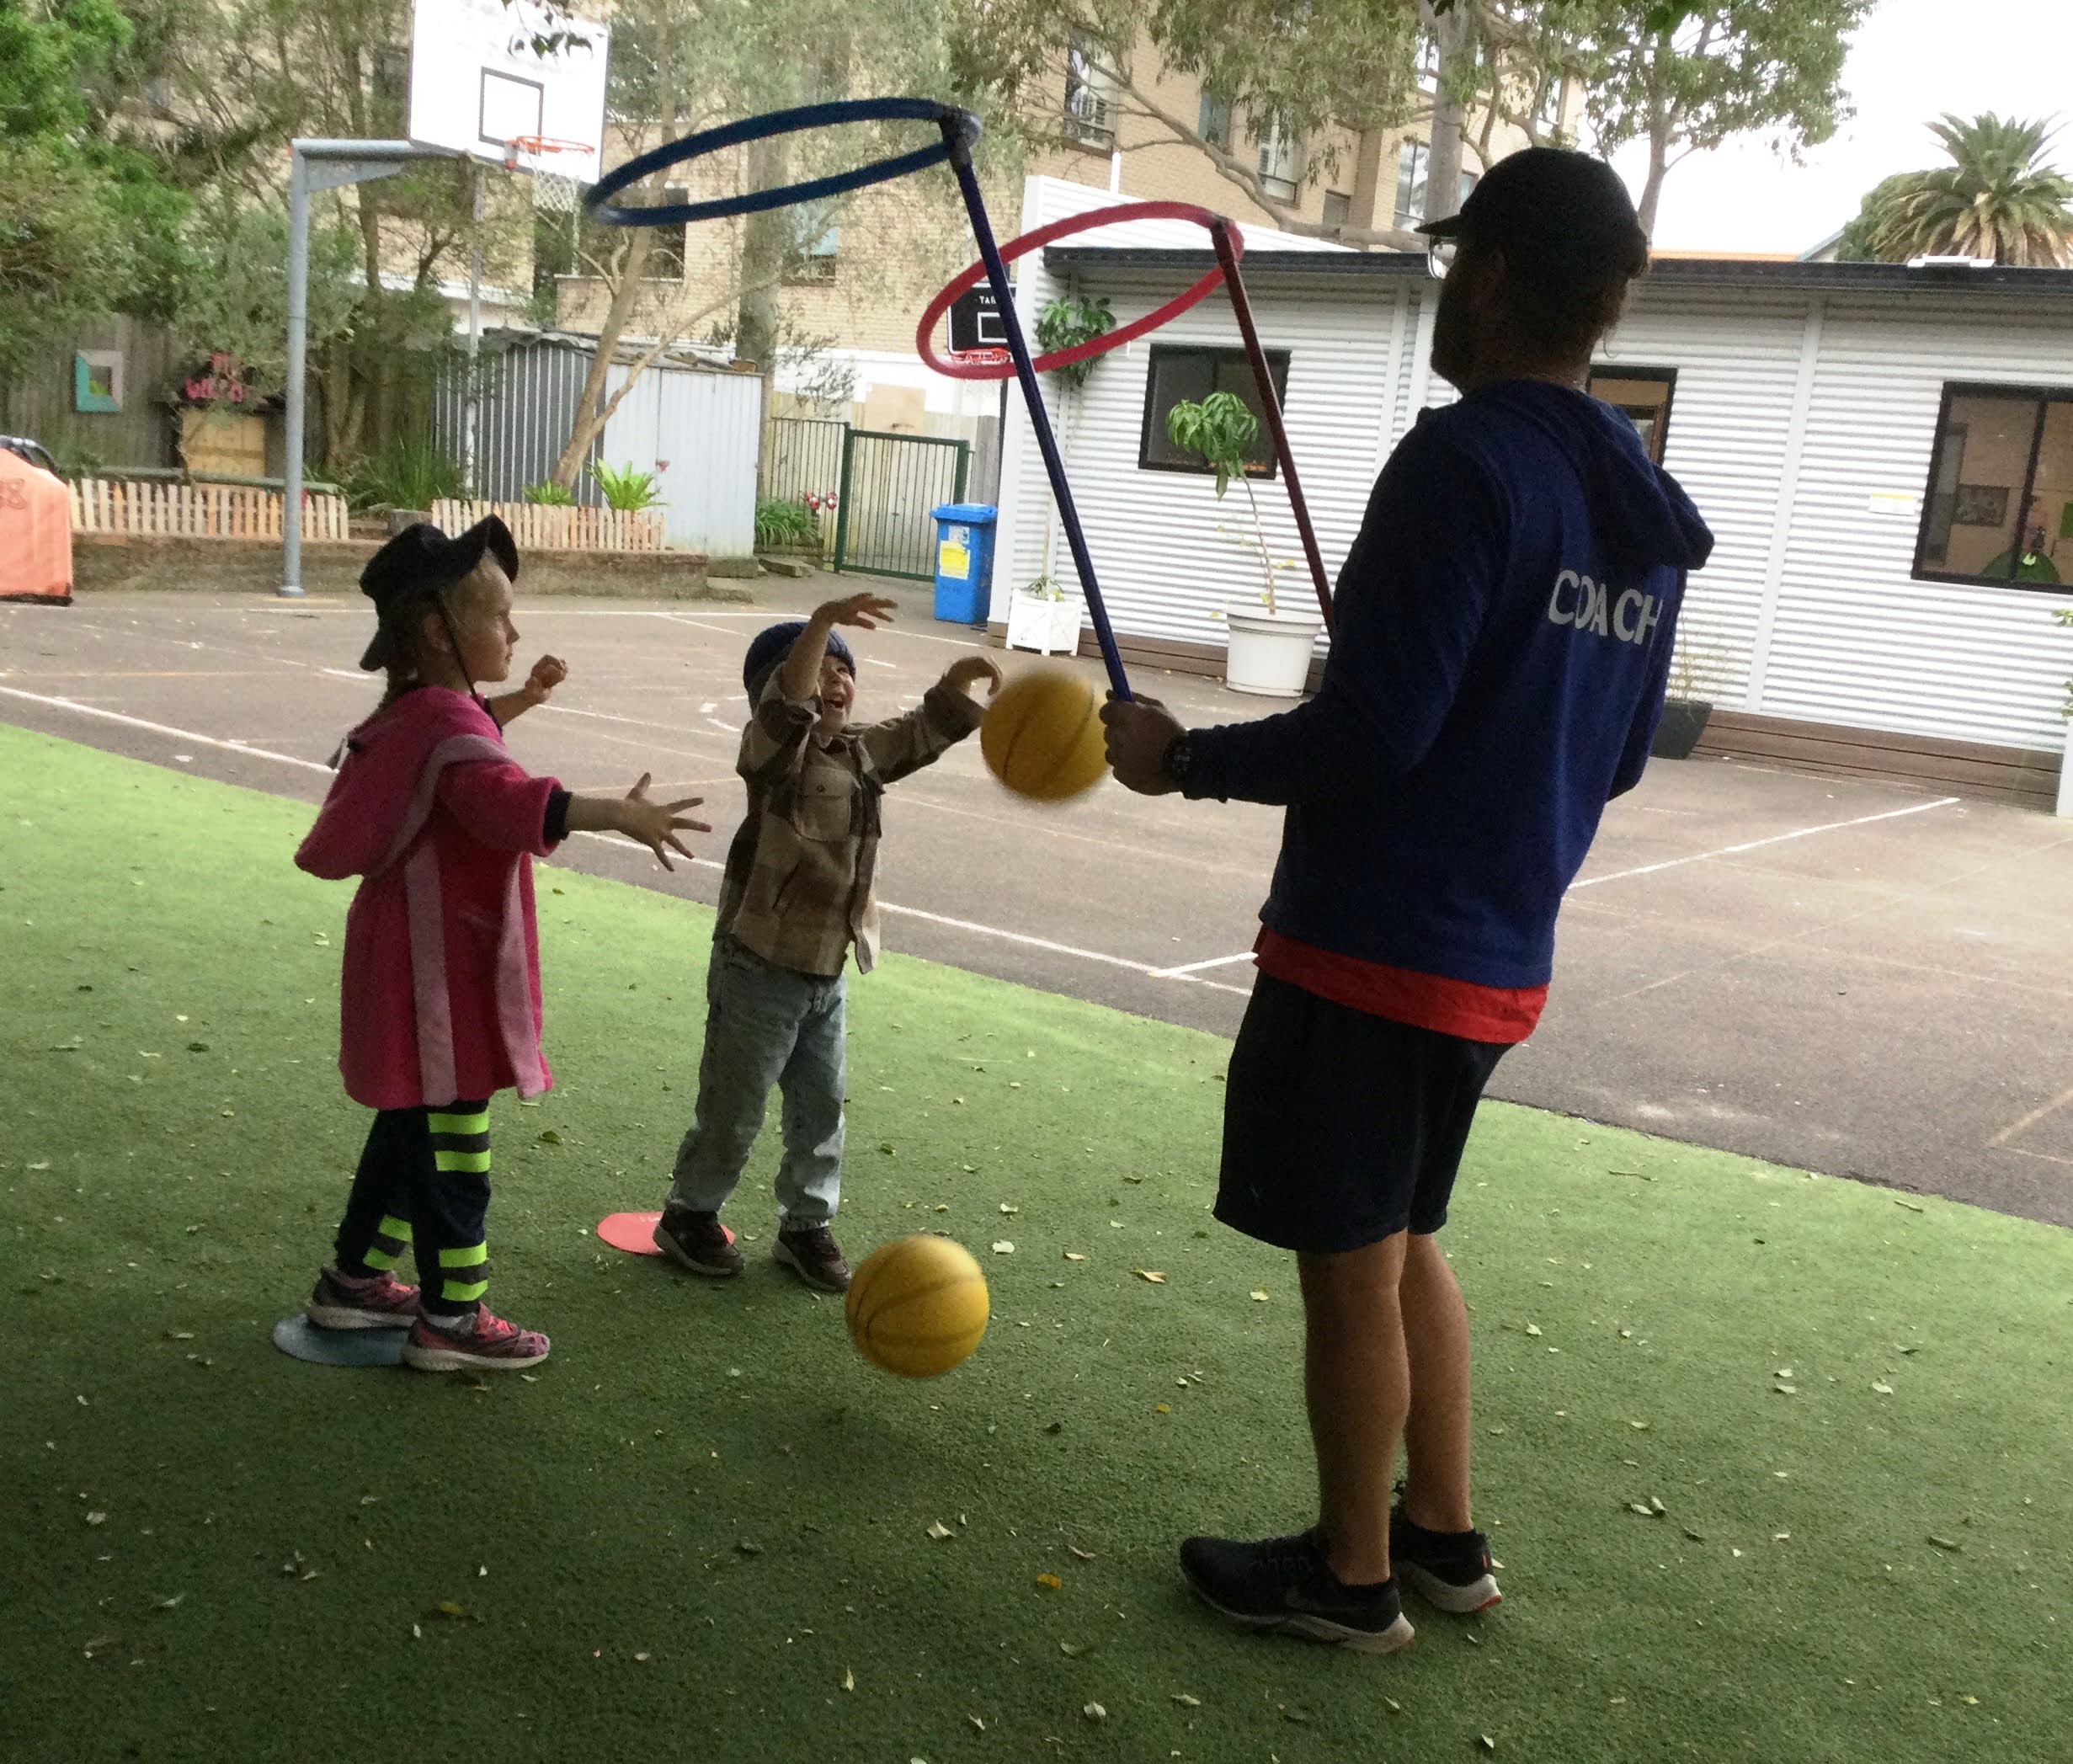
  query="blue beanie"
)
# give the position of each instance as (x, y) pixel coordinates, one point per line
(772, 644)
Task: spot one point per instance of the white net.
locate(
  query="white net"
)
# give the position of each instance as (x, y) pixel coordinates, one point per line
(554, 190)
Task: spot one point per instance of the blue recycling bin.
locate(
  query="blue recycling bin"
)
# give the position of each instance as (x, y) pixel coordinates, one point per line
(964, 561)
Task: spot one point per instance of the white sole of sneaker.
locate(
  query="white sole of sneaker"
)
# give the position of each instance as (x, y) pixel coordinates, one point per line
(332, 1317)
(1394, 1640)
(459, 1359)
(1458, 1601)
(670, 1248)
(782, 1254)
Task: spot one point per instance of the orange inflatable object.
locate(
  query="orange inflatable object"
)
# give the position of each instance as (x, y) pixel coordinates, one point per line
(35, 533)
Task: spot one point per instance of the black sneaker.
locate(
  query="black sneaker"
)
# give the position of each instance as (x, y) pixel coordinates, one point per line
(1451, 1569)
(811, 1252)
(698, 1241)
(1285, 1583)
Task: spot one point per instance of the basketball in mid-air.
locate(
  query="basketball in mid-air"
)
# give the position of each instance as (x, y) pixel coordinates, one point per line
(917, 1306)
(1042, 735)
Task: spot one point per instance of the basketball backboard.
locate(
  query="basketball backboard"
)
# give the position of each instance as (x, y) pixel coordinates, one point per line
(484, 73)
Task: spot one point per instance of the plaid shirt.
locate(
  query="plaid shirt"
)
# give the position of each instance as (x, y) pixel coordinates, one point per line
(798, 885)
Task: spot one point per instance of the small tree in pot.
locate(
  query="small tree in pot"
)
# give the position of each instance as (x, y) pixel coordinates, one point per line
(1687, 709)
(1220, 429)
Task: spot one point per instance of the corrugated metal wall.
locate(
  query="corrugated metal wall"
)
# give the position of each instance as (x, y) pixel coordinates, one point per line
(528, 399)
(697, 429)
(1808, 610)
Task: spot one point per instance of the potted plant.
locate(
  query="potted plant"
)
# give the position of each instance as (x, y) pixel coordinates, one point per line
(1685, 710)
(1268, 650)
(1041, 617)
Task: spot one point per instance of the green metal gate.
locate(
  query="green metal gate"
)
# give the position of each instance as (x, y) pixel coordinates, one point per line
(890, 482)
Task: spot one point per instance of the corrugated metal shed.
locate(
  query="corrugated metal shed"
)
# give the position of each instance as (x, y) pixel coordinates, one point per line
(1804, 417)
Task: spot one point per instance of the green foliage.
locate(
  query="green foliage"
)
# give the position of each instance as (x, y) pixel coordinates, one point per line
(1220, 429)
(411, 472)
(550, 494)
(627, 489)
(783, 521)
(1064, 322)
(1998, 198)
(234, 296)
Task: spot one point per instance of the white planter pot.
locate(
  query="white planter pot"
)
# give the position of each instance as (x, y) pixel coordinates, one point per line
(1048, 626)
(1269, 654)
(2065, 773)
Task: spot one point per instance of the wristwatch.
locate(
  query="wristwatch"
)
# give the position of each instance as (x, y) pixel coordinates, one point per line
(1178, 763)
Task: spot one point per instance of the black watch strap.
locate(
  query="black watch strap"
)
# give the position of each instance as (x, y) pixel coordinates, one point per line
(1180, 762)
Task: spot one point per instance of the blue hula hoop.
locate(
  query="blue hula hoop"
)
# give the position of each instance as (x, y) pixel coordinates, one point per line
(956, 123)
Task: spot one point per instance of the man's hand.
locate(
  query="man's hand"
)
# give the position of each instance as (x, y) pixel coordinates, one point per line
(548, 673)
(867, 611)
(1139, 733)
(967, 671)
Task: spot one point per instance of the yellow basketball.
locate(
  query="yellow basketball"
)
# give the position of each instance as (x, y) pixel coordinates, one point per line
(917, 1306)
(1042, 735)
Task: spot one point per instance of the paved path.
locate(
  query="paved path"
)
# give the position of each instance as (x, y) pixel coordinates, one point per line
(1853, 978)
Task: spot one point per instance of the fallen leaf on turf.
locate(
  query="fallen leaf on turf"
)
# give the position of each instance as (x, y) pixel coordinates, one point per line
(1645, 1512)
(1072, 1650)
(1656, 1507)
(1151, 1274)
(1695, 1536)
(1054, 1427)
(1486, 1742)
(1051, 1581)
(1949, 1544)
(1185, 1701)
(1884, 1390)
(447, 1607)
(170, 1604)
(97, 1518)
(1532, 1328)
(1911, 1347)
(939, 1531)
(640, 1656)
(1393, 1705)
(1073, 1256)
(1003, 1247)
(1085, 1555)
(1259, 1294)
(1162, 1408)
(1639, 1426)
(180, 1334)
(1095, 1712)
(747, 1548)
(1005, 1207)
(849, 1679)
(549, 1136)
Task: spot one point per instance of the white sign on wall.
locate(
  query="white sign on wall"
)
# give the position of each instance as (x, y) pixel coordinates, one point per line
(485, 73)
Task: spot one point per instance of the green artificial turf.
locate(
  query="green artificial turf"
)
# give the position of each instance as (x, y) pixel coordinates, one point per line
(706, 1519)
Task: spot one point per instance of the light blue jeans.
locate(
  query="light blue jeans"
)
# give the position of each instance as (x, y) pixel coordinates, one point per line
(764, 1025)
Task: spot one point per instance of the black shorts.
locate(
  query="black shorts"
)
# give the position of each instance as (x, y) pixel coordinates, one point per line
(1340, 1129)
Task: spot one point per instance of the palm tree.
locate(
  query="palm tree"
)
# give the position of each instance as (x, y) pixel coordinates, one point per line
(1997, 199)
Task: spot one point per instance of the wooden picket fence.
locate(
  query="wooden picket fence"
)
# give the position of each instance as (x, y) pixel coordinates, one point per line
(541, 526)
(196, 511)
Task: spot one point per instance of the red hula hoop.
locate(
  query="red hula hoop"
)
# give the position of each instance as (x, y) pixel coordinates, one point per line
(968, 368)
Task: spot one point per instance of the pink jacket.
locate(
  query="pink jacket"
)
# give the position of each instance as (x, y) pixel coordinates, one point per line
(440, 996)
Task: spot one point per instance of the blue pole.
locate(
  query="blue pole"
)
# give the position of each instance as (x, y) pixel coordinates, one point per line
(958, 136)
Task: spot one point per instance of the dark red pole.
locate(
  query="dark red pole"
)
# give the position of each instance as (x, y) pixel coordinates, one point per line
(1220, 234)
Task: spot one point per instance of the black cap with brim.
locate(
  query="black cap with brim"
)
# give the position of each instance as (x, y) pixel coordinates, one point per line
(1548, 198)
(420, 561)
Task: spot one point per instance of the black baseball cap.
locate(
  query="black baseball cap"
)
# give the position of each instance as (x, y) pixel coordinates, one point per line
(1545, 200)
(420, 561)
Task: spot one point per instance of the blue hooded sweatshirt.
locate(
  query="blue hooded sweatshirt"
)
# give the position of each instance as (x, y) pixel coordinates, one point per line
(1506, 620)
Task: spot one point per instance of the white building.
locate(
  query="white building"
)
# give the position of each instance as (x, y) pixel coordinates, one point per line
(1884, 454)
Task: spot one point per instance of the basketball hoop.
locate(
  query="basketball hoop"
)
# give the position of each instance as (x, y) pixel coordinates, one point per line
(557, 192)
(986, 358)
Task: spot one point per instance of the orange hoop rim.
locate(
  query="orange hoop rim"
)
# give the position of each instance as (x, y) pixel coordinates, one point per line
(539, 146)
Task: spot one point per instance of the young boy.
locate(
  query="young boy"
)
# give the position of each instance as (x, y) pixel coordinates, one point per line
(797, 894)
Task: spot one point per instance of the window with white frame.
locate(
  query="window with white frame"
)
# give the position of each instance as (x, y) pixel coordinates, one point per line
(1411, 156)
(1280, 159)
(815, 241)
(1999, 508)
(1090, 95)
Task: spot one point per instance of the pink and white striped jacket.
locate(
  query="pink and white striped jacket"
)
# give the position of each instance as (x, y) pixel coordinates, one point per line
(439, 999)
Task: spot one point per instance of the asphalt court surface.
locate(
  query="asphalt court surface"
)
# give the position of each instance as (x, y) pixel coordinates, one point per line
(1859, 978)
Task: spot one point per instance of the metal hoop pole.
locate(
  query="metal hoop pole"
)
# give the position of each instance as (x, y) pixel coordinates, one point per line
(958, 141)
(1263, 375)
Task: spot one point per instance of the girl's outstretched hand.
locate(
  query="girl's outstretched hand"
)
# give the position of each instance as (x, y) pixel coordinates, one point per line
(657, 824)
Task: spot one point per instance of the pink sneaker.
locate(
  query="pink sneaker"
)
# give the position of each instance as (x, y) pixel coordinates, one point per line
(486, 1344)
(372, 1302)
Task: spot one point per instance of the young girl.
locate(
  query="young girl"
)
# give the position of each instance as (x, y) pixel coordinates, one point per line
(440, 1003)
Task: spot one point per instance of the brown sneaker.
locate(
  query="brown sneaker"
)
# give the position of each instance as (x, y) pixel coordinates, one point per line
(698, 1241)
(811, 1252)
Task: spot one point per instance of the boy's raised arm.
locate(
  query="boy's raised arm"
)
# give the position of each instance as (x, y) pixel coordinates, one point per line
(800, 677)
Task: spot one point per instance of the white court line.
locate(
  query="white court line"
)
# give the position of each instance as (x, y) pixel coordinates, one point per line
(1697, 857)
(702, 863)
(1776, 839)
(2031, 1120)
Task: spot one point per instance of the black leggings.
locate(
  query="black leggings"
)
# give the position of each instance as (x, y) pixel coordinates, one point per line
(423, 1183)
